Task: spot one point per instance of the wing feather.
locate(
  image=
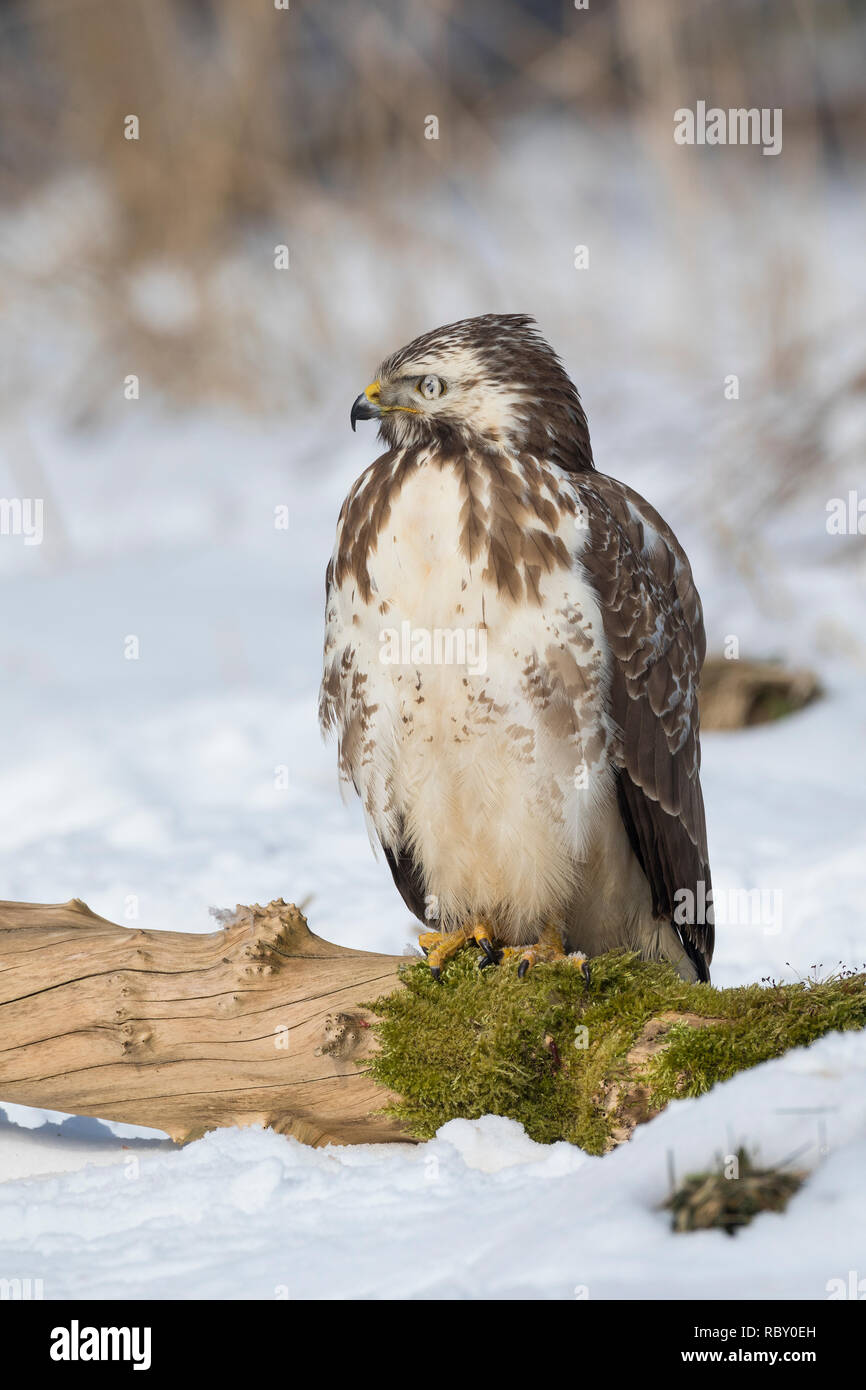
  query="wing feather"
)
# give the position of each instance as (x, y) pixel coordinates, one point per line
(654, 628)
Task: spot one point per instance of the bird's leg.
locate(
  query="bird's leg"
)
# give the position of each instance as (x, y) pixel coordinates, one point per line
(440, 946)
(548, 947)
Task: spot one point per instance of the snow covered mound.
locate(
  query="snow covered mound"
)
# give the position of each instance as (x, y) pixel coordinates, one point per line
(479, 1211)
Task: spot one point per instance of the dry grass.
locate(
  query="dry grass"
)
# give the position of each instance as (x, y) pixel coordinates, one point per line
(731, 1197)
(260, 125)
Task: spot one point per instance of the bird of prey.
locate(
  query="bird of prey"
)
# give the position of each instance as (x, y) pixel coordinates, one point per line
(513, 646)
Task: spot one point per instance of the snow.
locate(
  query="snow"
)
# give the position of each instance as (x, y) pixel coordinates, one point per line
(194, 776)
(478, 1212)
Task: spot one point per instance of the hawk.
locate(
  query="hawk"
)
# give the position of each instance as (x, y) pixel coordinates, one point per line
(513, 646)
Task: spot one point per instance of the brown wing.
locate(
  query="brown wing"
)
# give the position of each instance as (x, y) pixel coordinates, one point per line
(654, 628)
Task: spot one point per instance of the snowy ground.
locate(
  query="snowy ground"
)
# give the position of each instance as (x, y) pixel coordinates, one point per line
(480, 1211)
(152, 789)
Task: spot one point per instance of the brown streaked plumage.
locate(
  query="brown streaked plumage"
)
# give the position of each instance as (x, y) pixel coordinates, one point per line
(559, 782)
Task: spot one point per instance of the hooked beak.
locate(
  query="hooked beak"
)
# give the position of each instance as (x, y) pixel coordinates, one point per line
(367, 405)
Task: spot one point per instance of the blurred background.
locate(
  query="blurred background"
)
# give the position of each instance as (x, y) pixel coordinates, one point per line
(281, 222)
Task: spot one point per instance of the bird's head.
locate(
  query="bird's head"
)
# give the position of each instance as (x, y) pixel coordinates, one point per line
(491, 381)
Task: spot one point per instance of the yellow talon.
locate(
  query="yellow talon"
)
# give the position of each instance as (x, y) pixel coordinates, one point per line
(441, 946)
(548, 947)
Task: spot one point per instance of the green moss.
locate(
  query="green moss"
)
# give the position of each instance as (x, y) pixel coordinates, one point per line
(554, 1055)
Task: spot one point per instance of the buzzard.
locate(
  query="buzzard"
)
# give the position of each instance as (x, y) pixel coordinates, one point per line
(513, 646)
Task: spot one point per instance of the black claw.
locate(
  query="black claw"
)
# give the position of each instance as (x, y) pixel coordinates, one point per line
(586, 973)
(522, 969)
(436, 972)
(491, 956)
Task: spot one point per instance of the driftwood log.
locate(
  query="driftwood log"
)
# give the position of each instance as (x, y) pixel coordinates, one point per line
(258, 1022)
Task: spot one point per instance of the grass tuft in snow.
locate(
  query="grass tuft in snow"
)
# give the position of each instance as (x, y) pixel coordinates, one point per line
(732, 1196)
(584, 1065)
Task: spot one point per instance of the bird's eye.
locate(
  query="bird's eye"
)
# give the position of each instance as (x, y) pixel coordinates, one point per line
(430, 387)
